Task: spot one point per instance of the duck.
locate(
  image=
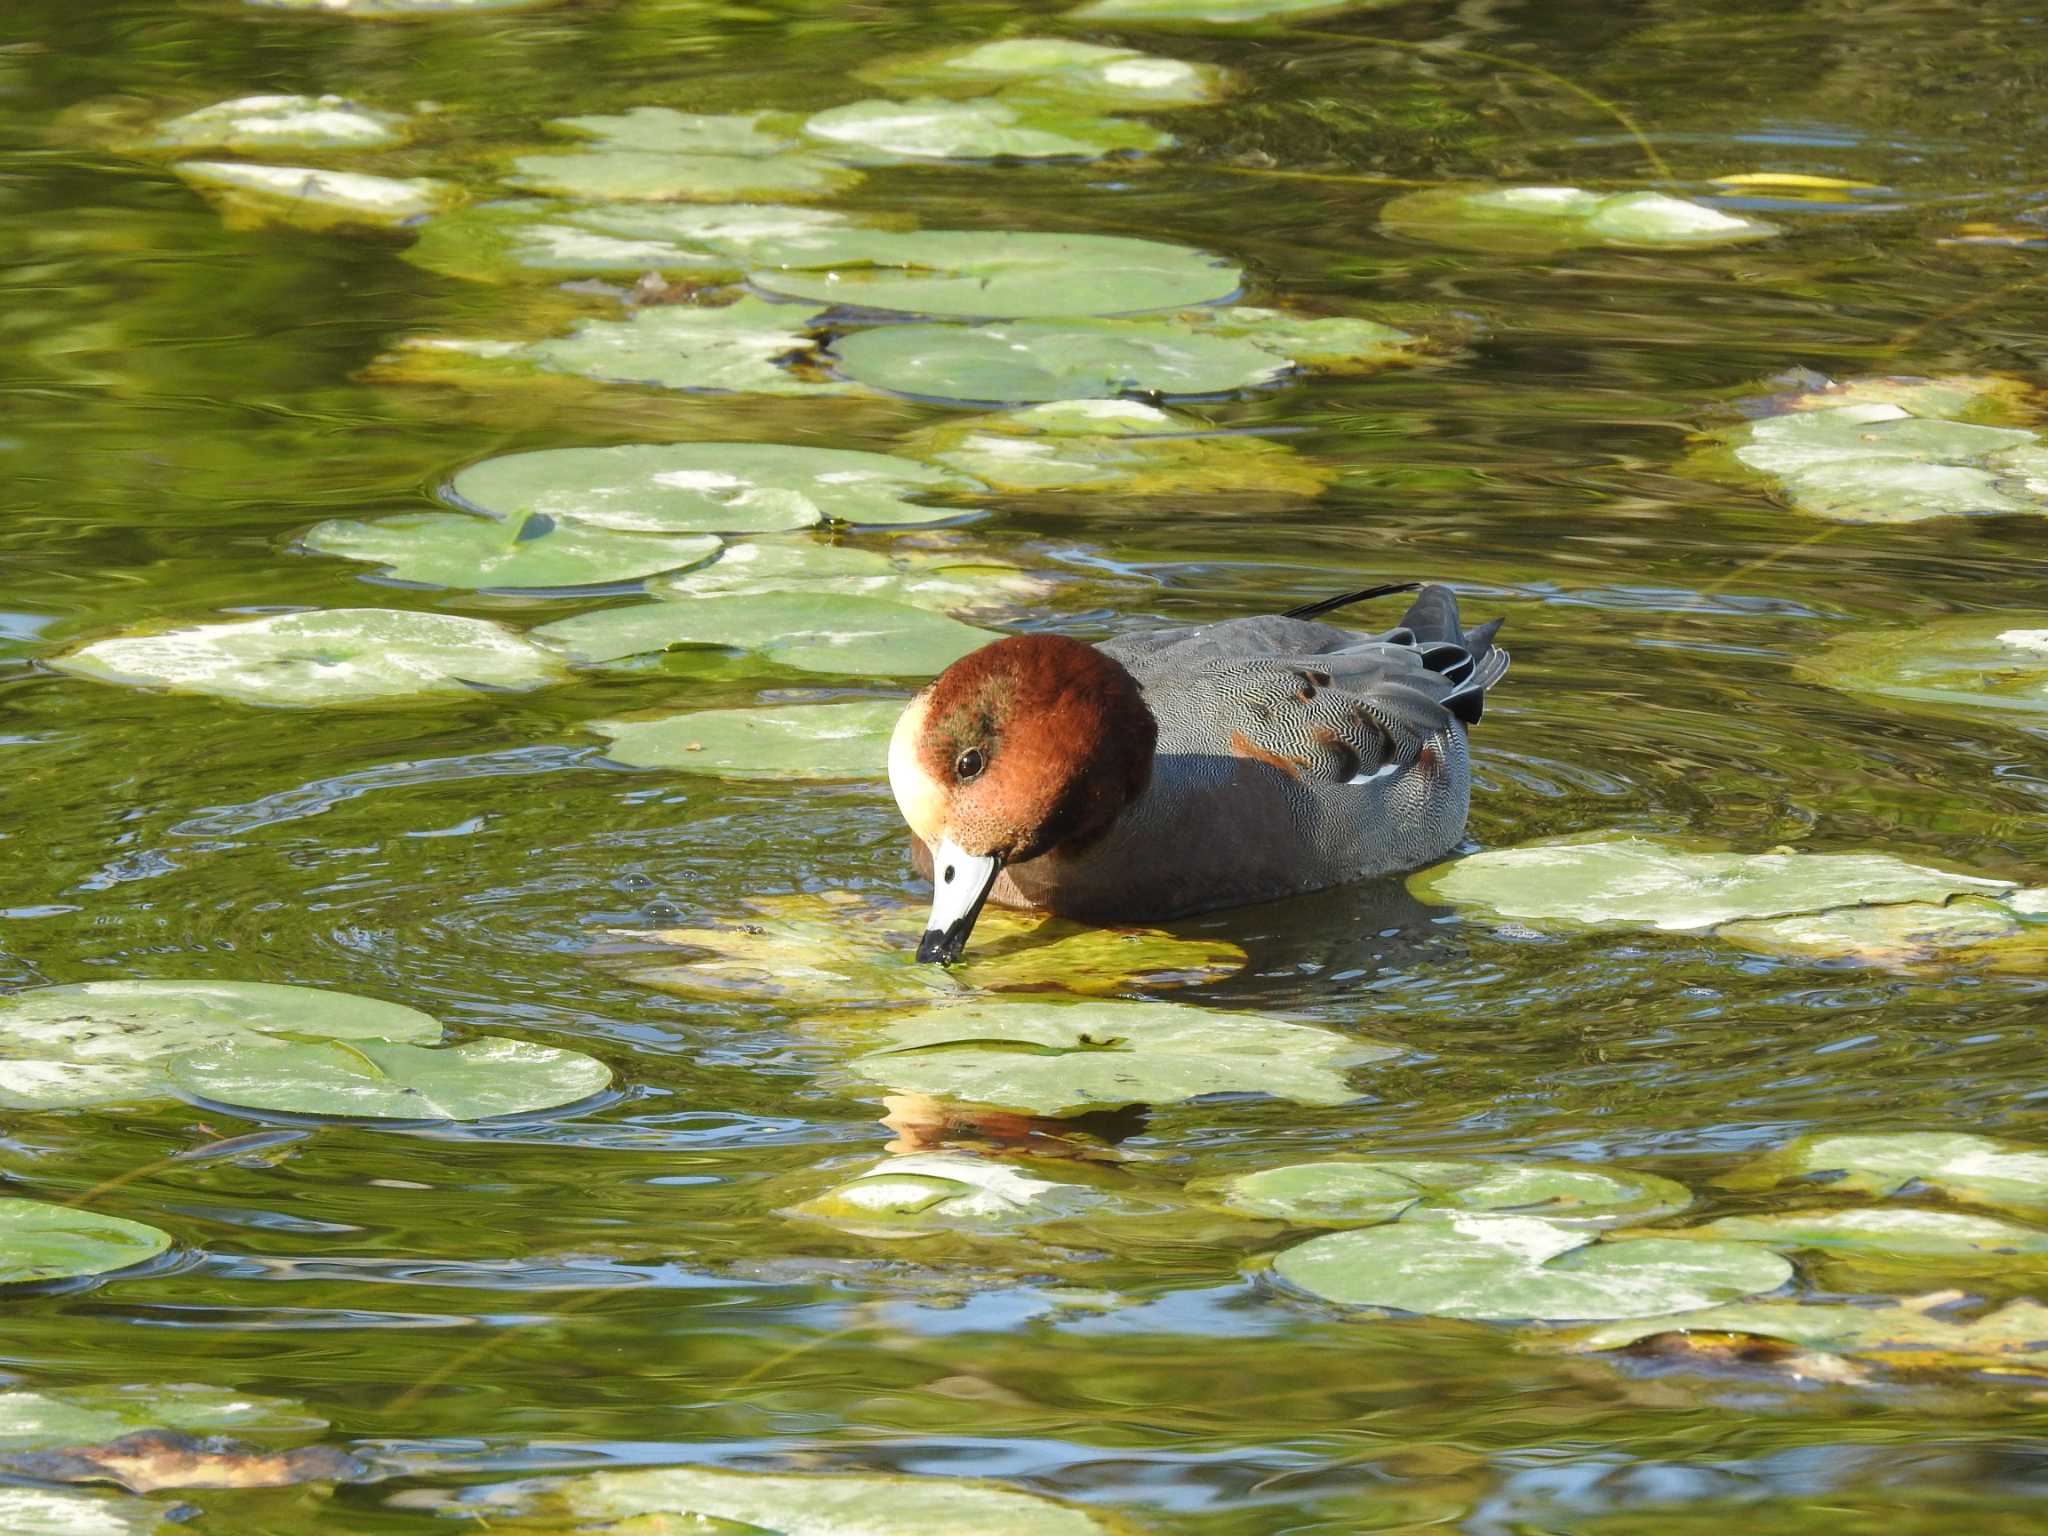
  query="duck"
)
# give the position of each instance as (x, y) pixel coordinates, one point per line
(1180, 770)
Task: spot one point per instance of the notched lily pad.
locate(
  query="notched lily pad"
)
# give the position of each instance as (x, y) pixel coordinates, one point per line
(1056, 67)
(1059, 1059)
(326, 657)
(940, 580)
(836, 948)
(266, 124)
(867, 636)
(452, 549)
(303, 197)
(1537, 220)
(932, 128)
(41, 1242)
(1977, 1169)
(1962, 666)
(844, 740)
(710, 487)
(1506, 1268)
(376, 1080)
(1358, 1192)
(1123, 446)
(744, 347)
(926, 1193)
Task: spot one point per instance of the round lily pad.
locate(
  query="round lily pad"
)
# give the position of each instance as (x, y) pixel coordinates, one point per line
(1126, 446)
(375, 1080)
(1900, 1230)
(651, 176)
(846, 740)
(1502, 1268)
(326, 657)
(1057, 67)
(828, 949)
(932, 128)
(1542, 219)
(452, 549)
(1978, 1169)
(867, 636)
(1643, 882)
(53, 1242)
(996, 274)
(935, 579)
(664, 130)
(92, 1415)
(1346, 1192)
(1072, 1058)
(305, 198)
(709, 487)
(260, 124)
(1033, 360)
(921, 1194)
(1963, 666)
(819, 1504)
(1218, 13)
(742, 346)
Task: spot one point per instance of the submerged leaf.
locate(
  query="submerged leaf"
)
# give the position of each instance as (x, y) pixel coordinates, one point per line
(1538, 220)
(305, 198)
(452, 549)
(53, 1242)
(155, 1459)
(1978, 1169)
(1345, 1192)
(1962, 666)
(845, 740)
(867, 636)
(325, 657)
(259, 124)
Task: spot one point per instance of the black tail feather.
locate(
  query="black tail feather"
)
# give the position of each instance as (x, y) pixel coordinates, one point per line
(1364, 594)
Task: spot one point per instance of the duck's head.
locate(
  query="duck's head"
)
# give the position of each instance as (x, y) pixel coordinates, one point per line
(1025, 747)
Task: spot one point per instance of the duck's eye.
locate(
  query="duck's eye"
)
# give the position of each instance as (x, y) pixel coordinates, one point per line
(968, 764)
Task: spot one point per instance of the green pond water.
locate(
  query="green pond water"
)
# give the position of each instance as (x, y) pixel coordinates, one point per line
(481, 1309)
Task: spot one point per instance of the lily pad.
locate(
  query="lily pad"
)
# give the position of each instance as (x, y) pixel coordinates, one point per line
(1907, 1335)
(924, 1193)
(266, 124)
(1357, 1192)
(1059, 1059)
(67, 1416)
(996, 274)
(306, 198)
(1978, 1169)
(845, 740)
(1643, 882)
(55, 1512)
(375, 1080)
(1057, 67)
(650, 176)
(938, 580)
(1538, 220)
(932, 128)
(828, 949)
(818, 1503)
(1963, 666)
(1326, 343)
(709, 487)
(1123, 446)
(741, 346)
(1884, 1231)
(663, 130)
(1036, 360)
(867, 636)
(1502, 1268)
(451, 549)
(53, 1242)
(1898, 936)
(325, 657)
(1215, 12)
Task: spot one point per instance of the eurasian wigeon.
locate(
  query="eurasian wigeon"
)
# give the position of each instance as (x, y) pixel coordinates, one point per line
(1178, 770)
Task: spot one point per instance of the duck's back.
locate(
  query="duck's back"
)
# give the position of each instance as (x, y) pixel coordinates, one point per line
(1292, 755)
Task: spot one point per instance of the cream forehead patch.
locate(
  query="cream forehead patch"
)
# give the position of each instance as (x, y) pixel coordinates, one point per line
(919, 796)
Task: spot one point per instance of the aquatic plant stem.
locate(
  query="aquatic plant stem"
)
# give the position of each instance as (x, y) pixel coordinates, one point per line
(776, 1362)
(1614, 110)
(462, 1362)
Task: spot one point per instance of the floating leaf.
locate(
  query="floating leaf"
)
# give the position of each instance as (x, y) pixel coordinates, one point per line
(53, 1242)
(740, 346)
(664, 130)
(1215, 12)
(305, 198)
(1643, 882)
(925, 580)
(1973, 1168)
(451, 549)
(1057, 67)
(1962, 666)
(1034, 360)
(995, 274)
(1897, 936)
(924, 1193)
(54, 1512)
(709, 487)
(648, 176)
(1500, 1268)
(846, 740)
(1060, 1059)
(1347, 1192)
(828, 949)
(1891, 1230)
(1905, 1335)
(64, 1416)
(260, 124)
(1538, 220)
(1121, 445)
(373, 1080)
(864, 635)
(818, 1503)
(325, 657)
(932, 128)
(1328, 344)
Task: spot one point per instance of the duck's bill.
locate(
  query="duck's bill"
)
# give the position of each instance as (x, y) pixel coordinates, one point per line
(960, 885)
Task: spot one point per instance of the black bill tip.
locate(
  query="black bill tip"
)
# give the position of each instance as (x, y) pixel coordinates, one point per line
(942, 946)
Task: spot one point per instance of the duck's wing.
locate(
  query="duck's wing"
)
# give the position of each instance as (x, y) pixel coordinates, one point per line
(1322, 704)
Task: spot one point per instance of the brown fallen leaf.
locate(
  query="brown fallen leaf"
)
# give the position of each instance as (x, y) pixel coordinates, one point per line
(164, 1458)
